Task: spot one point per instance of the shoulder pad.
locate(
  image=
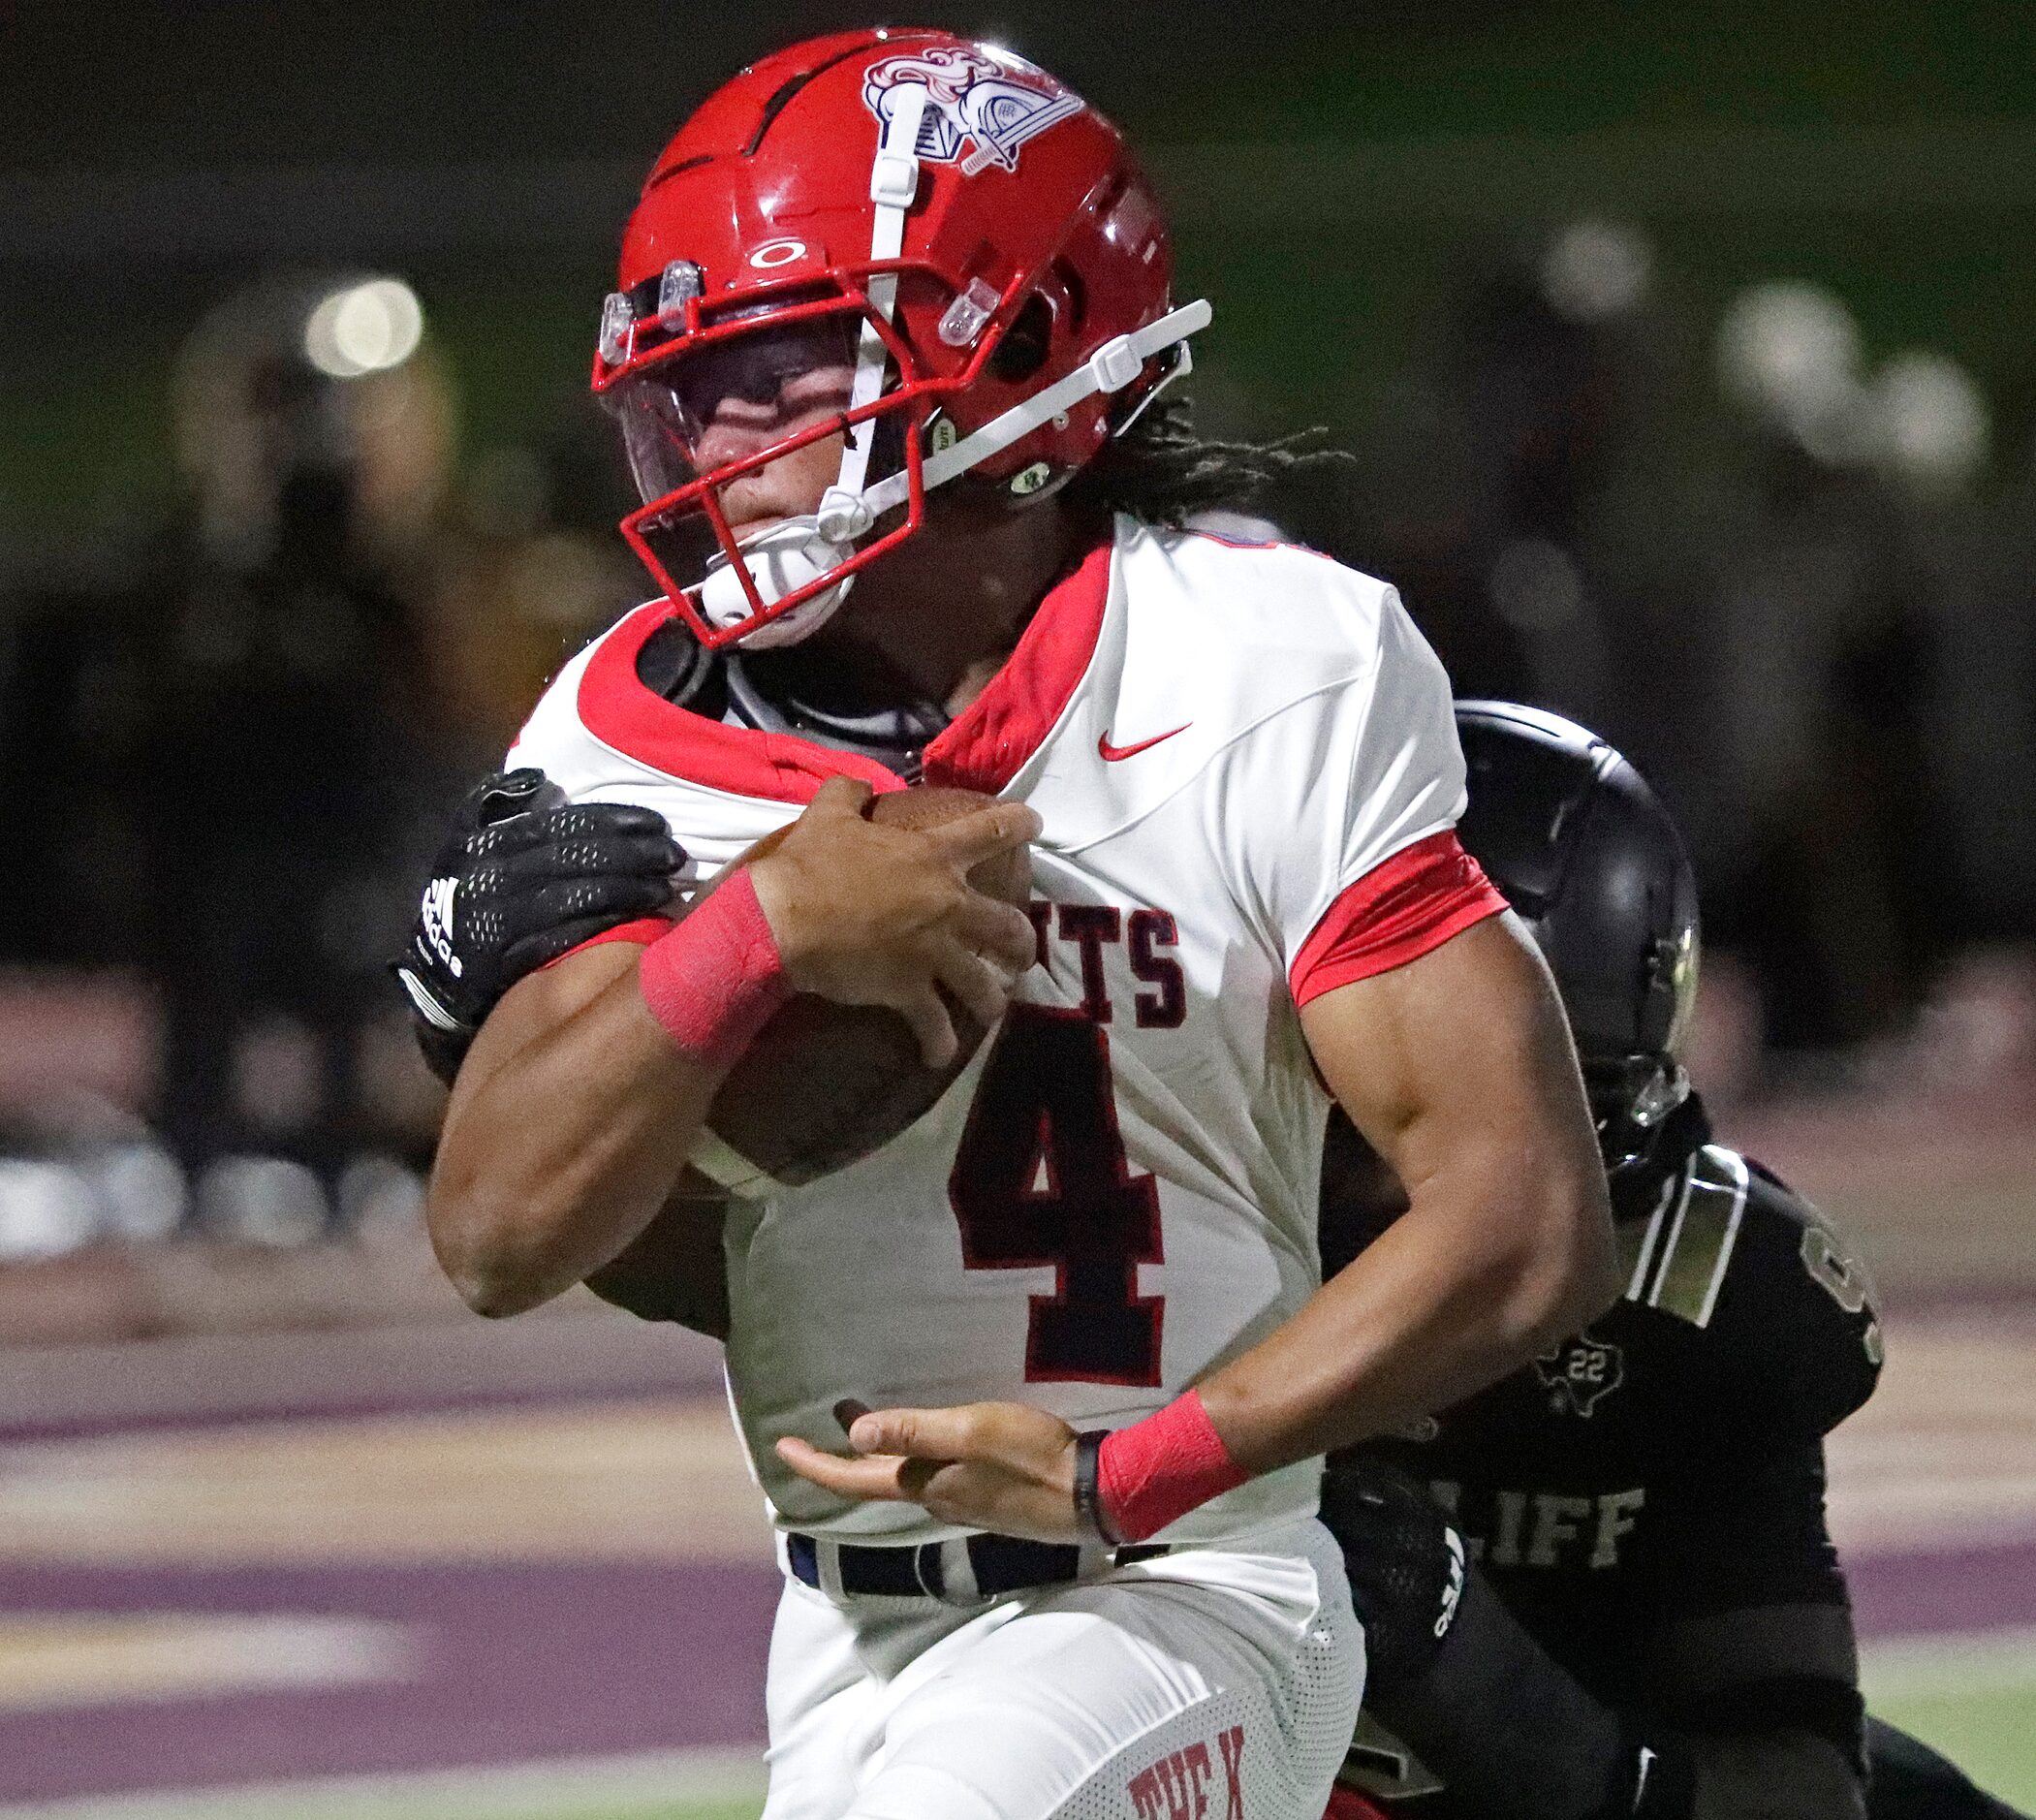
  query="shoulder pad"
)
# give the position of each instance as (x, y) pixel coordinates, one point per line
(1678, 1260)
(602, 734)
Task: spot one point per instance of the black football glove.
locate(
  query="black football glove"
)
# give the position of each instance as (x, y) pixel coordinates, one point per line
(1406, 1565)
(515, 886)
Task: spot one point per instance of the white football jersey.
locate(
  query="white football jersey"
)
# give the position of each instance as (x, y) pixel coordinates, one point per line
(1233, 751)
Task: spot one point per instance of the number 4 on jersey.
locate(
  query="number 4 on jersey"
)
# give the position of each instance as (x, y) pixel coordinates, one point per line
(1042, 1179)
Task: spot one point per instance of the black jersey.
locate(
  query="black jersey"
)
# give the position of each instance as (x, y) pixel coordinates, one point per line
(1642, 1489)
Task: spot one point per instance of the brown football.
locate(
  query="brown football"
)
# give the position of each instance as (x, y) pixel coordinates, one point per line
(825, 1084)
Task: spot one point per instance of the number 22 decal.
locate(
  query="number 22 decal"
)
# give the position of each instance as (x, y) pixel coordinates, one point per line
(1041, 1177)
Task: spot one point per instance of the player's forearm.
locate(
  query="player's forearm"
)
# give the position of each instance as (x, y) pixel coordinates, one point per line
(584, 1093)
(1494, 1261)
(564, 1153)
(1457, 1067)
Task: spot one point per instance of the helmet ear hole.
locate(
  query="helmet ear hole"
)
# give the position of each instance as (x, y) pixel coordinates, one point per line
(1023, 350)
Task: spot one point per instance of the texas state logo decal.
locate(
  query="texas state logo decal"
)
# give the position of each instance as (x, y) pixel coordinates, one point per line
(981, 112)
(1580, 1372)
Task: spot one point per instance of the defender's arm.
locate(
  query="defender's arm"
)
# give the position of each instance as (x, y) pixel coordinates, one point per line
(1511, 1734)
(515, 885)
(1751, 1653)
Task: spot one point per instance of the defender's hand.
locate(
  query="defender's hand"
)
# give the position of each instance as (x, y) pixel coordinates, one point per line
(869, 914)
(1000, 1466)
(514, 887)
(1406, 1566)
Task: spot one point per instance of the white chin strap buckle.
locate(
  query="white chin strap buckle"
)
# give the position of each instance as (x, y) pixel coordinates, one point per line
(780, 560)
(842, 516)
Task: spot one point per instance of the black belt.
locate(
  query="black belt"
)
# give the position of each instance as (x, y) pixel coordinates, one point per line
(1000, 1564)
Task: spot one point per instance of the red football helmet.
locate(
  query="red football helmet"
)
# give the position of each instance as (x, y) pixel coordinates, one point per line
(970, 239)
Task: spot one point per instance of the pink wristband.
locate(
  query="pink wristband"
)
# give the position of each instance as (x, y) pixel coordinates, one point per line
(1161, 1468)
(713, 981)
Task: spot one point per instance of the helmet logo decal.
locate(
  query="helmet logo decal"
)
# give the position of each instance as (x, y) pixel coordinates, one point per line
(975, 101)
(775, 253)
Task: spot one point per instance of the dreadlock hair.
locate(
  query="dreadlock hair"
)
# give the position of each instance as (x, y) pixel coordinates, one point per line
(1161, 472)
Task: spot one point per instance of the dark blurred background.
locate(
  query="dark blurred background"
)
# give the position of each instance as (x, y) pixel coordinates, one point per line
(1682, 354)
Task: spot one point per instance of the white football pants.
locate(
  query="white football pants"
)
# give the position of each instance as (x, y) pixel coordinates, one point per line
(1207, 1684)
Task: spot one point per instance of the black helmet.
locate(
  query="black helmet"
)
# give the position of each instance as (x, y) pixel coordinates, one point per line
(1588, 856)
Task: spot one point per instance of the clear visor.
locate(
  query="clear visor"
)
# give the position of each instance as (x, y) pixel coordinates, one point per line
(730, 399)
(753, 485)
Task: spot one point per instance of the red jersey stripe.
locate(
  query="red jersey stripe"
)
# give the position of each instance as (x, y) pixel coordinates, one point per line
(989, 743)
(1398, 911)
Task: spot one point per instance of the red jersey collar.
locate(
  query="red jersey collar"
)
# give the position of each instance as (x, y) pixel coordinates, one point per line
(988, 744)
(623, 712)
(984, 748)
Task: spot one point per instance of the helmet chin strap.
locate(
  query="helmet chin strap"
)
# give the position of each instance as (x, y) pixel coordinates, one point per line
(1111, 368)
(796, 551)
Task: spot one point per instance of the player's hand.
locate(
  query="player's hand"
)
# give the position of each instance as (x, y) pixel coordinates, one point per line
(869, 914)
(1000, 1466)
(514, 887)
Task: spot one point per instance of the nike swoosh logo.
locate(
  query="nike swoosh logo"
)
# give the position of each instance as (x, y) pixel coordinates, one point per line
(1113, 753)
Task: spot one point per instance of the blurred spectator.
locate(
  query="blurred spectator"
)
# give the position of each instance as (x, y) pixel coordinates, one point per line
(1836, 861)
(288, 722)
(1771, 578)
(532, 568)
(228, 742)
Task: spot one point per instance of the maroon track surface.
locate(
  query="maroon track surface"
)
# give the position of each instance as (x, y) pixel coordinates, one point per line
(525, 1662)
(529, 1659)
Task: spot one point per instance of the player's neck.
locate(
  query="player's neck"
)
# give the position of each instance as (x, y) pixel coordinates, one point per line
(941, 613)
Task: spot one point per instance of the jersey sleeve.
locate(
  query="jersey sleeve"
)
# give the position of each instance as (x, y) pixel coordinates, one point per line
(554, 741)
(1795, 1335)
(1348, 801)
(1408, 904)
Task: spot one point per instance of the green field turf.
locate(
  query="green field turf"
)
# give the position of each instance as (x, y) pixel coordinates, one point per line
(1979, 1710)
(1992, 1734)
(1992, 1737)
(1972, 1697)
